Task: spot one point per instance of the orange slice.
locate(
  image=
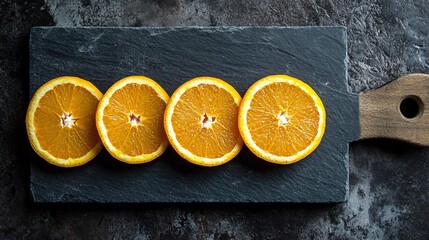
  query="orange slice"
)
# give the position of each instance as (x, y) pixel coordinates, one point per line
(282, 119)
(130, 120)
(60, 121)
(201, 121)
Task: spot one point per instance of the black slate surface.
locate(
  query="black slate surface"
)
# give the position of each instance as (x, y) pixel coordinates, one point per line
(171, 56)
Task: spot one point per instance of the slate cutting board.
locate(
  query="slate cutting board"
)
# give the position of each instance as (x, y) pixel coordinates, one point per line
(171, 56)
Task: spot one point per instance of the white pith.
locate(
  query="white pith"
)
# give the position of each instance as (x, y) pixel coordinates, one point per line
(41, 92)
(246, 132)
(169, 125)
(102, 128)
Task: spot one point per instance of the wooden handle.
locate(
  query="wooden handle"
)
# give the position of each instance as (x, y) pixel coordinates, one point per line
(397, 110)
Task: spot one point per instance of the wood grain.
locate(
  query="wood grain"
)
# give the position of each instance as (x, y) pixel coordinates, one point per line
(381, 116)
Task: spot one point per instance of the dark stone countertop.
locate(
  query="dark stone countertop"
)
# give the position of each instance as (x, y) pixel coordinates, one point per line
(389, 186)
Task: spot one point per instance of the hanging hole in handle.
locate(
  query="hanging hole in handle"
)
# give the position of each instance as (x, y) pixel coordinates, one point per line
(411, 107)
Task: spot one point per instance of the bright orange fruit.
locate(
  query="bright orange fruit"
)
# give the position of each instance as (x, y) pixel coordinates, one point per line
(201, 121)
(60, 121)
(281, 119)
(130, 120)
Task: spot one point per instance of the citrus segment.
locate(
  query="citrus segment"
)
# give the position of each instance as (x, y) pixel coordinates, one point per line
(60, 121)
(130, 119)
(282, 119)
(201, 121)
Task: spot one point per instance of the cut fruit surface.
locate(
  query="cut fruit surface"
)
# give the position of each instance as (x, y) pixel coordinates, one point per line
(201, 121)
(60, 121)
(281, 119)
(130, 120)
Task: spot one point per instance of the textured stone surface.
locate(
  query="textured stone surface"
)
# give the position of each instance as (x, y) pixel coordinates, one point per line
(171, 56)
(388, 181)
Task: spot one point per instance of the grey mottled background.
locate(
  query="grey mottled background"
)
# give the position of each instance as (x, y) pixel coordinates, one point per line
(389, 181)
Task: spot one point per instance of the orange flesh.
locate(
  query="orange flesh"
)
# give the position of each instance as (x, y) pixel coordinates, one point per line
(205, 121)
(134, 120)
(284, 119)
(62, 141)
